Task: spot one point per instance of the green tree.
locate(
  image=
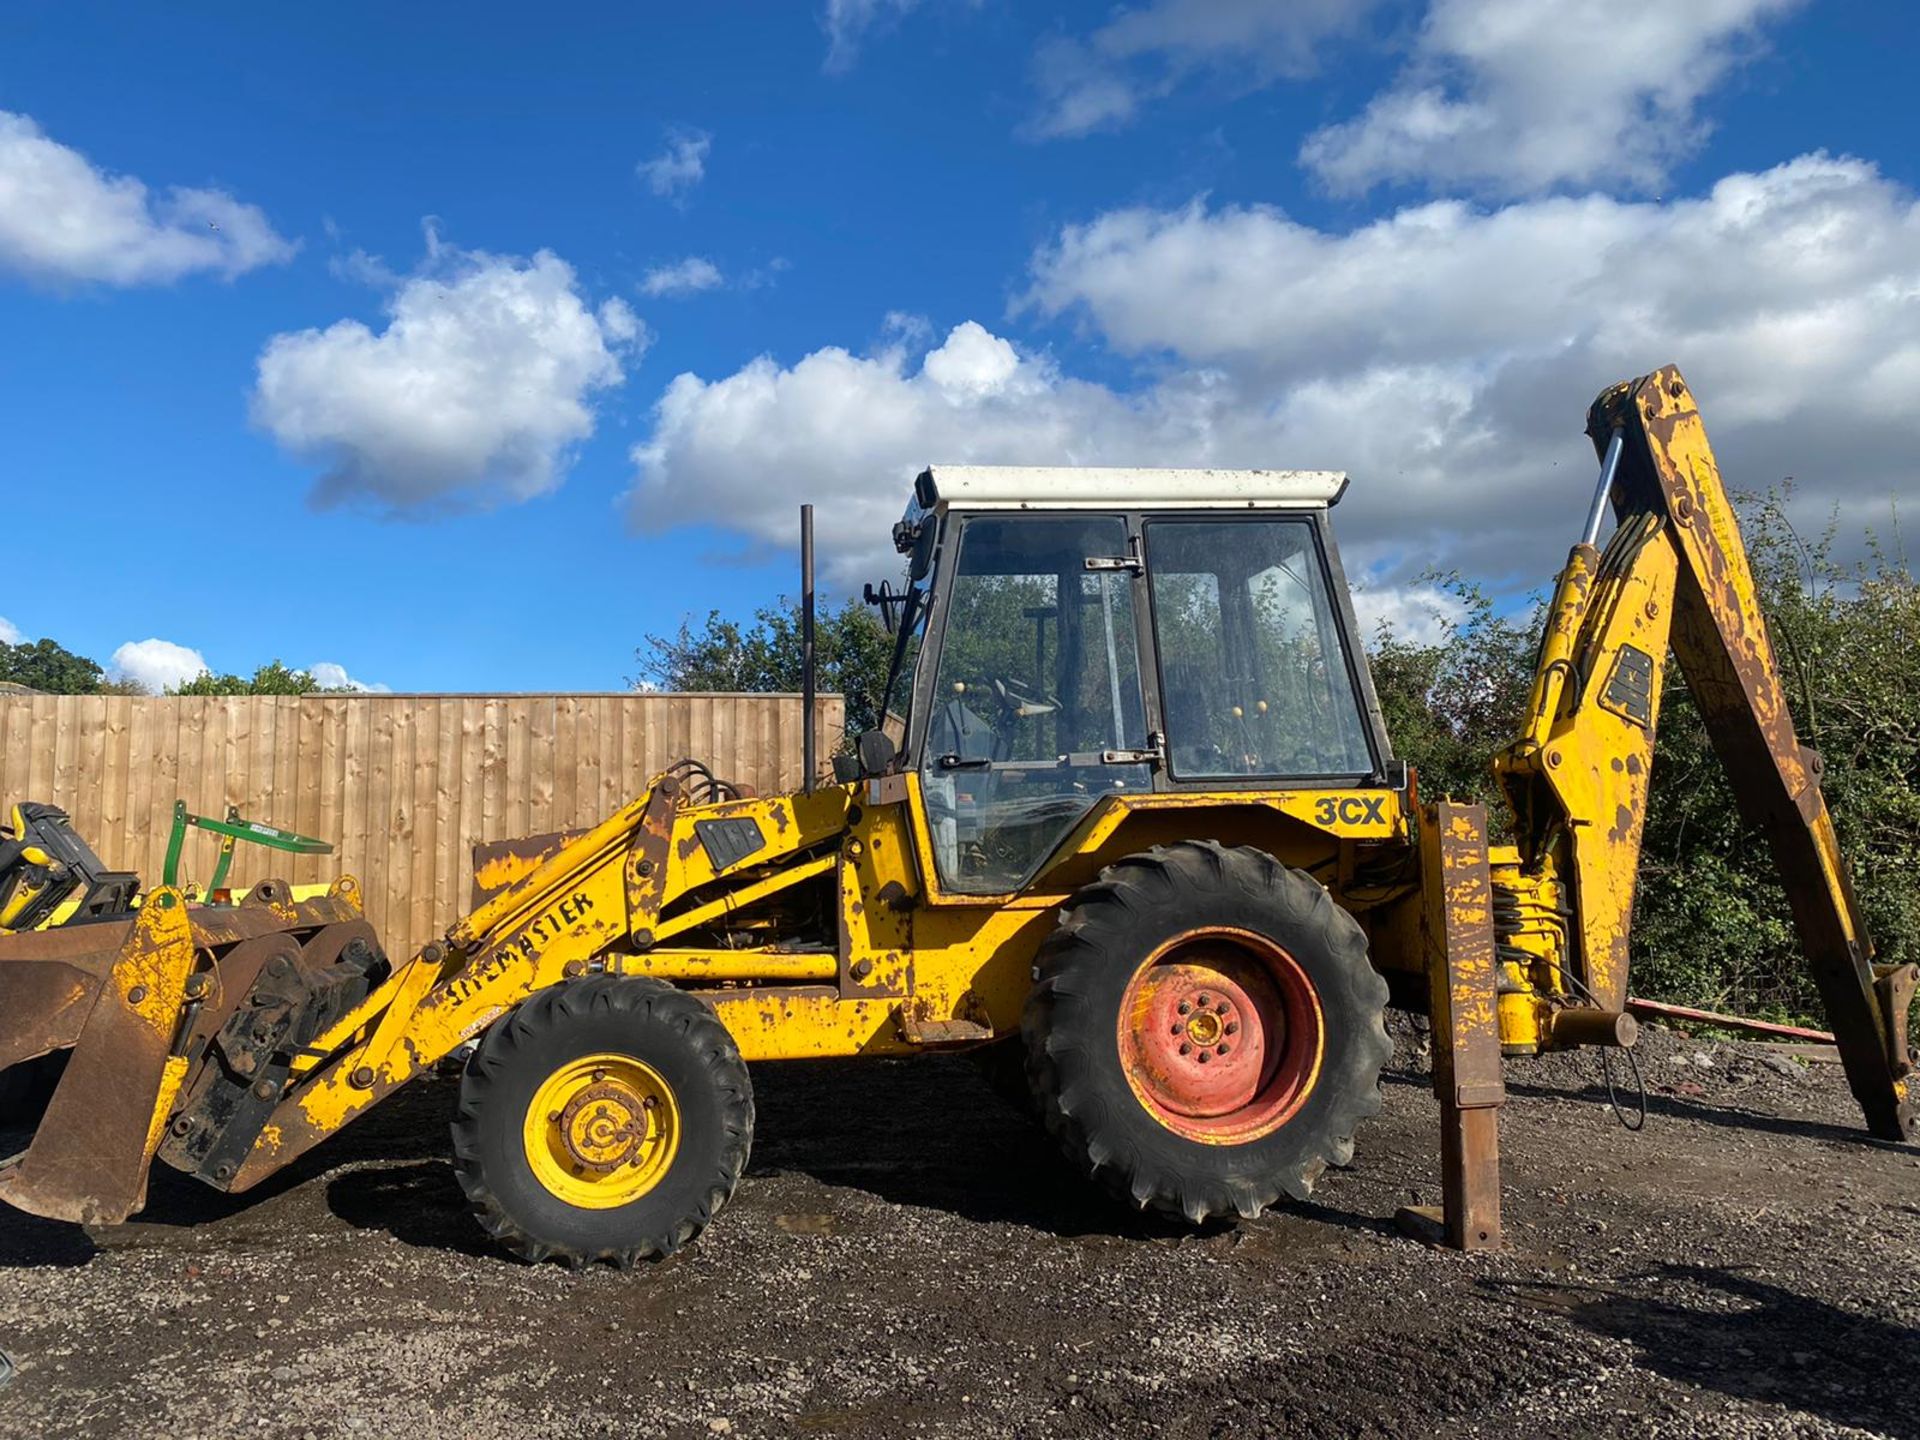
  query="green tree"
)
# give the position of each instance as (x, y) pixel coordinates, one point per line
(273, 678)
(1711, 920)
(1450, 703)
(46, 666)
(851, 653)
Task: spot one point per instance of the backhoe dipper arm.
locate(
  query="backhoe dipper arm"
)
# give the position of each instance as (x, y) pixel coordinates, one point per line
(1676, 573)
(1720, 639)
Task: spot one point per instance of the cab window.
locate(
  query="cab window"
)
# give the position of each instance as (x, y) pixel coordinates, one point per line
(1254, 670)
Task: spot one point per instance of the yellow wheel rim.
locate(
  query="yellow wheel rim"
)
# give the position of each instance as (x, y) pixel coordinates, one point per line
(602, 1131)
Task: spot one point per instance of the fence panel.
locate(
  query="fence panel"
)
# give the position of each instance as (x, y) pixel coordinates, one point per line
(402, 785)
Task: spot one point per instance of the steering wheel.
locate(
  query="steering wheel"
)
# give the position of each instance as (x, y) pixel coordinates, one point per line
(1017, 702)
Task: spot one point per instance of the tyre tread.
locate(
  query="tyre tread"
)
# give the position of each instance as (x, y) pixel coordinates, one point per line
(1096, 923)
(647, 1000)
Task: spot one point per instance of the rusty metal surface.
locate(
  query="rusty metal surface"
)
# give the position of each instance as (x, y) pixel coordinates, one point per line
(1720, 638)
(88, 1160)
(48, 981)
(1467, 1077)
(499, 863)
(1661, 1010)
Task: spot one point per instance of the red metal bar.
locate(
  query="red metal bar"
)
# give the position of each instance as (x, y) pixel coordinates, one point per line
(1726, 1022)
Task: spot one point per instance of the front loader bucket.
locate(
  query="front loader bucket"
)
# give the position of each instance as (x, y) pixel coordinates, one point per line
(113, 993)
(138, 1002)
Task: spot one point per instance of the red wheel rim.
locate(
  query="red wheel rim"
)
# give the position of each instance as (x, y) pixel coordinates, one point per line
(1221, 1035)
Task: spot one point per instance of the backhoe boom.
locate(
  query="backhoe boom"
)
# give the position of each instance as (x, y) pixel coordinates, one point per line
(1676, 573)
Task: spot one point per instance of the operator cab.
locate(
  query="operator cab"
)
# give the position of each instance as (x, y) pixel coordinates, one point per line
(1071, 633)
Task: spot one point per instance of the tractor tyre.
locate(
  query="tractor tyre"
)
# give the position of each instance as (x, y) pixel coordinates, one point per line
(1205, 1031)
(606, 1118)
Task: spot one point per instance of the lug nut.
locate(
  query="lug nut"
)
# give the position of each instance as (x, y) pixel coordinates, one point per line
(1185, 1009)
(1186, 1049)
(1233, 1026)
(1220, 1050)
(1203, 1002)
(1204, 1057)
(1174, 1029)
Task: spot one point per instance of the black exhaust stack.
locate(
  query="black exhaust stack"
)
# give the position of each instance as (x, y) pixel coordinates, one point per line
(807, 739)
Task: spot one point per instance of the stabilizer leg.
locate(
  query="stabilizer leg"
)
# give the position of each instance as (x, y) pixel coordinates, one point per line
(1458, 930)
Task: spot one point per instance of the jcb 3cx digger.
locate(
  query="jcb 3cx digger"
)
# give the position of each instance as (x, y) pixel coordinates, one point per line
(1144, 817)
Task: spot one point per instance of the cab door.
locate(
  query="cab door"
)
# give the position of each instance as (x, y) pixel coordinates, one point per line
(1035, 708)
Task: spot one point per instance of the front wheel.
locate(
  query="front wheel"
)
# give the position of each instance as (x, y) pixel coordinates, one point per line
(605, 1119)
(1205, 1031)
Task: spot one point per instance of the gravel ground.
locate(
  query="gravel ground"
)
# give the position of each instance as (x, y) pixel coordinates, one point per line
(906, 1258)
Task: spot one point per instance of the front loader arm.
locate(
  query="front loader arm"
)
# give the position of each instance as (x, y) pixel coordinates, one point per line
(651, 871)
(1676, 573)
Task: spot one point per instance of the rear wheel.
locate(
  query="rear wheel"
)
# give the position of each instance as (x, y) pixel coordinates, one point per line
(605, 1119)
(1205, 1031)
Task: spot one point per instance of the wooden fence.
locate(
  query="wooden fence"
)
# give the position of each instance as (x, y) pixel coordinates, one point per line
(402, 785)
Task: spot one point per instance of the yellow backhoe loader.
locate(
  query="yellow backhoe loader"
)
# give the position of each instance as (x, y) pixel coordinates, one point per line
(1144, 817)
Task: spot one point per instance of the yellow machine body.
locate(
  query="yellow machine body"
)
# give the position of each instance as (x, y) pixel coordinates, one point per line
(816, 924)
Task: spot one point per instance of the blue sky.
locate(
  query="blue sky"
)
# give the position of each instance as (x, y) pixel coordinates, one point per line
(460, 347)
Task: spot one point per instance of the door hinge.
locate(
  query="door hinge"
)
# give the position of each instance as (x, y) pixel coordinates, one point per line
(1129, 562)
(1154, 754)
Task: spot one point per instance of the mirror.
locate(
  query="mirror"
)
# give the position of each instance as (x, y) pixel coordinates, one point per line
(887, 603)
(876, 752)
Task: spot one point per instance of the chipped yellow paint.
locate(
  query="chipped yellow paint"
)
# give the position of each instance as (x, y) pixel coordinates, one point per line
(150, 975)
(1577, 777)
(171, 1075)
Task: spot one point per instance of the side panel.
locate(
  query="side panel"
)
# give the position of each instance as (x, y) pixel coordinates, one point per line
(1599, 759)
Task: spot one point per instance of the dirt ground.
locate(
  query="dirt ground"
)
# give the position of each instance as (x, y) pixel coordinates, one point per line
(905, 1257)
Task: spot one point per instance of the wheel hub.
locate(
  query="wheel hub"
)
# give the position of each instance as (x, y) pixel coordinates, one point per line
(602, 1131)
(1220, 1035)
(1203, 1038)
(604, 1125)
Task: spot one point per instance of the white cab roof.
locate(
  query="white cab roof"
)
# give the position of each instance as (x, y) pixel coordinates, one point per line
(1074, 487)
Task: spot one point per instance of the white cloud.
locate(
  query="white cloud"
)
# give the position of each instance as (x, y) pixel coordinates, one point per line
(849, 432)
(683, 277)
(1513, 96)
(1443, 355)
(335, 677)
(847, 23)
(474, 393)
(155, 665)
(679, 167)
(1146, 51)
(9, 632)
(64, 221)
(1418, 613)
